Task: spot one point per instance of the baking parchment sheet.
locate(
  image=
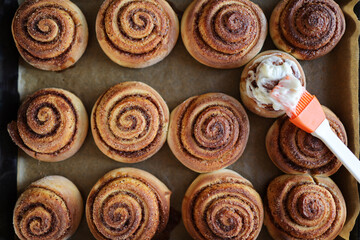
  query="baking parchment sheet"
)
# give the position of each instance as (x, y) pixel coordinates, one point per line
(332, 78)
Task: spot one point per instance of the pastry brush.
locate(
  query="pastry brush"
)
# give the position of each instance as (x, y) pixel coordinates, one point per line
(309, 116)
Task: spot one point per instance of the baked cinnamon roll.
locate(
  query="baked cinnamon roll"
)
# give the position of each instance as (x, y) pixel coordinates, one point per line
(50, 208)
(129, 122)
(304, 207)
(50, 34)
(222, 205)
(51, 125)
(208, 132)
(294, 151)
(307, 29)
(136, 34)
(261, 75)
(223, 34)
(127, 203)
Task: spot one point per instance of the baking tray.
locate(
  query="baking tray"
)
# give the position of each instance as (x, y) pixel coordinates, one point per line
(10, 101)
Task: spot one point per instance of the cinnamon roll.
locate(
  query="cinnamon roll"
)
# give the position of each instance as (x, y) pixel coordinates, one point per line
(304, 207)
(51, 125)
(136, 34)
(129, 122)
(127, 203)
(223, 34)
(307, 29)
(294, 151)
(50, 208)
(261, 75)
(222, 205)
(208, 132)
(50, 34)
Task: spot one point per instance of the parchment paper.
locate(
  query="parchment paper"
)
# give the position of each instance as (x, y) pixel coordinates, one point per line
(332, 78)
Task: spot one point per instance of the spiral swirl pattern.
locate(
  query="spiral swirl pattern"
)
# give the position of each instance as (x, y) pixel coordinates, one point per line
(222, 205)
(223, 34)
(208, 132)
(307, 29)
(127, 204)
(50, 35)
(295, 151)
(51, 125)
(44, 211)
(136, 33)
(302, 207)
(130, 122)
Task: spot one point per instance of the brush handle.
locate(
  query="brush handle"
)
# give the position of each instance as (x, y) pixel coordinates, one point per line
(341, 151)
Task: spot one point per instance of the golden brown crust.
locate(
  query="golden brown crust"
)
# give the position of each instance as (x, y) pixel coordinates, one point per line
(295, 151)
(129, 122)
(51, 125)
(223, 34)
(250, 101)
(50, 208)
(208, 132)
(127, 203)
(50, 34)
(307, 29)
(136, 34)
(222, 205)
(304, 207)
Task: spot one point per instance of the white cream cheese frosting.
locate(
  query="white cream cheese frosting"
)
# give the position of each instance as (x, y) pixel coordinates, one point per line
(270, 70)
(287, 93)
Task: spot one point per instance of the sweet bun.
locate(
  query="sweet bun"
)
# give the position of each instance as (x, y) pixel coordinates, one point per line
(307, 29)
(50, 34)
(261, 75)
(223, 34)
(136, 34)
(222, 205)
(127, 203)
(51, 125)
(208, 132)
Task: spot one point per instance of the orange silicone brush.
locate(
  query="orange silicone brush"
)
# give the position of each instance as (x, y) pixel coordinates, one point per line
(309, 116)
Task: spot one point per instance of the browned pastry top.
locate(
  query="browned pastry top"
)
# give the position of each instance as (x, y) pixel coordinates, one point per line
(307, 29)
(127, 203)
(295, 151)
(50, 208)
(51, 125)
(208, 132)
(53, 218)
(304, 207)
(50, 34)
(136, 33)
(130, 122)
(223, 34)
(222, 205)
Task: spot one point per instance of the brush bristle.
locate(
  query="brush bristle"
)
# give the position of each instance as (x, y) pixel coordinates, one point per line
(303, 102)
